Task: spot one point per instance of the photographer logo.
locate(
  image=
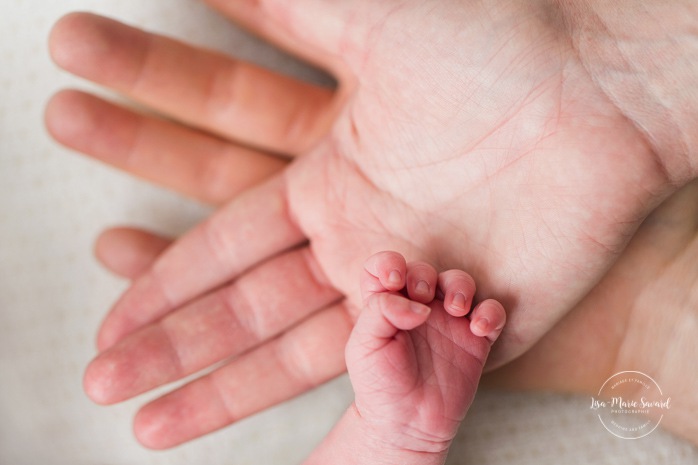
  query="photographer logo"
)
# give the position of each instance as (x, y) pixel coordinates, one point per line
(630, 405)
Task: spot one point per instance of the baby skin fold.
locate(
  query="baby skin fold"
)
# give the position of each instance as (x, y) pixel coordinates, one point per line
(415, 357)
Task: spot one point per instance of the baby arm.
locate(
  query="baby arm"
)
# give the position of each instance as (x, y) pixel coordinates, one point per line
(414, 363)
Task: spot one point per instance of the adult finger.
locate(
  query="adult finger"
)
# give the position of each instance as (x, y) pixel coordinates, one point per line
(217, 251)
(171, 155)
(129, 252)
(298, 360)
(234, 99)
(328, 34)
(262, 303)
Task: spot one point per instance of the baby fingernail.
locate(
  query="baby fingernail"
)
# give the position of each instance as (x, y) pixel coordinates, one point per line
(458, 301)
(419, 309)
(422, 288)
(482, 324)
(394, 277)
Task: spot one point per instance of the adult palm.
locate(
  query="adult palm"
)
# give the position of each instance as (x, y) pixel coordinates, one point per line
(467, 134)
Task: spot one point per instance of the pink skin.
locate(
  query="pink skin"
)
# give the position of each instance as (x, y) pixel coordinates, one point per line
(528, 153)
(414, 362)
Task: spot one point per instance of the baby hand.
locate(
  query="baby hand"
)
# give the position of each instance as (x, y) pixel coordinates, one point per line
(417, 352)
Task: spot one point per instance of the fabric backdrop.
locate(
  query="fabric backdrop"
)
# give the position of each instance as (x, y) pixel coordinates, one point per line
(53, 293)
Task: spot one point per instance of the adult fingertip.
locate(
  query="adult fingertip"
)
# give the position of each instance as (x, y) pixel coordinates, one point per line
(65, 38)
(65, 119)
(96, 382)
(148, 430)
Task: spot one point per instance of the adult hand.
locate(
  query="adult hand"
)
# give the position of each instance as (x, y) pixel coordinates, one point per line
(647, 295)
(478, 141)
(641, 316)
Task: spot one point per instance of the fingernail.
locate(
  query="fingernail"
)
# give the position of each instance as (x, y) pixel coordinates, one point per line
(483, 325)
(419, 309)
(459, 301)
(395, 277)
(422, 288)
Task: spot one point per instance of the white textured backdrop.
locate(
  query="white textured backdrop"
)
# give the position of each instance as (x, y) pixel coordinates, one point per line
(53, 294)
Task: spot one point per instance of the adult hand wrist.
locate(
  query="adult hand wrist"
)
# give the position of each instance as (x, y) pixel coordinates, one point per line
(644, 57)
